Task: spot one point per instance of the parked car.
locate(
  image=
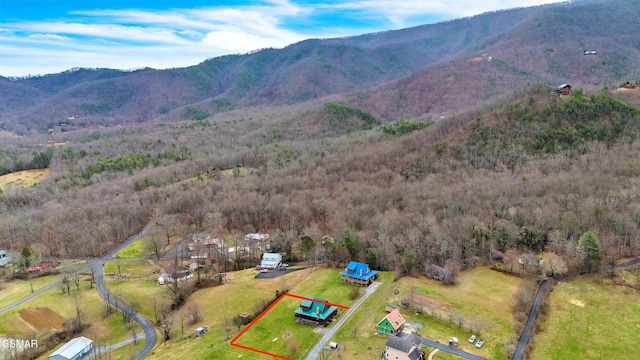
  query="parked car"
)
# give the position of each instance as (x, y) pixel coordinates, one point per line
(479, 343)
(264, 270)
(472, 339)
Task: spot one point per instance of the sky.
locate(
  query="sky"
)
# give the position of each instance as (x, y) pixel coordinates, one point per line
(40, 37)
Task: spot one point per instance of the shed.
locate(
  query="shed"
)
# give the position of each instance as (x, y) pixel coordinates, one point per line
(201, 330)
(73, 350)
(333, 345)
(389, 308)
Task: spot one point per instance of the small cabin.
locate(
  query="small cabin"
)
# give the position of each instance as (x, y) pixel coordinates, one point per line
(564, 89)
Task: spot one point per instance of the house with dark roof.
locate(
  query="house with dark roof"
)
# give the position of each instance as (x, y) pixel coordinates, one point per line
(73, 350)
(392, 323)
(315, 311)
(564, 89)
(408, 348)
(359, 274)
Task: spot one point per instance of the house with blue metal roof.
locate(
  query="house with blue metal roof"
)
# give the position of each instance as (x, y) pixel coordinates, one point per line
(315, 311)
(359, 274)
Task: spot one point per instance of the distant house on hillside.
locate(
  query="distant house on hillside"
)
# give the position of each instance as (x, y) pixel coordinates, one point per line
(270, 261)
(392, 323)
(315, 312)
(409, 348)
(73, 350)
(4, 260)
(631, 85)
(359, 274)
(438, 273)
(564, 89)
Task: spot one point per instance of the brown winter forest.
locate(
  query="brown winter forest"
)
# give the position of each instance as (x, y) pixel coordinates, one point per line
(433, 164)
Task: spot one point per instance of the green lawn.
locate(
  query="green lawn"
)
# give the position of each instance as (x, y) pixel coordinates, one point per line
(17, 289)
(589, 319)
(135, 250)
(268, 334)
(134, 269)
(478, 292)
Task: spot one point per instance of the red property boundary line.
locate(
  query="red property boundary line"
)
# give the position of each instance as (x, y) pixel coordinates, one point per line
(233, 341)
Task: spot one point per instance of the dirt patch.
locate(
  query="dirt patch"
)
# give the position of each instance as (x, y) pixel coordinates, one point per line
(577, 302)
(42, 318)
(431, 302)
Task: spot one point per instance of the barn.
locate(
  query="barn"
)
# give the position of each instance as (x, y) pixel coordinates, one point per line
(73, 350)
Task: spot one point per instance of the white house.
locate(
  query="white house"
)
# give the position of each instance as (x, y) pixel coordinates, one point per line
(73, 350)
(270, 261)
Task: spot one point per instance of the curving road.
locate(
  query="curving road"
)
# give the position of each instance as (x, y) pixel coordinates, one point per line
(97, 264)
(149, 331)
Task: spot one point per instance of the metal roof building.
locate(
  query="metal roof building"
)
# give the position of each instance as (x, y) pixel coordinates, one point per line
(73, 350)
(270, 261)
(358, 273)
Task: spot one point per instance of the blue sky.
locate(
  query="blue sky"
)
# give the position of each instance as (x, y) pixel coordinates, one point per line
(48, 36)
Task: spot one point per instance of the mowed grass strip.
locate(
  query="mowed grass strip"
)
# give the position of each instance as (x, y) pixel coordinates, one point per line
(589, 319)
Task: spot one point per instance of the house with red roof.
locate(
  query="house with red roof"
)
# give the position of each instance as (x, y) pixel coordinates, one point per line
(392, 323)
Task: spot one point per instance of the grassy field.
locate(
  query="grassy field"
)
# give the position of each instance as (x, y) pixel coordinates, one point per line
(135, 250)
(590, 319)
(480, 292)
(240, 295)
(18, 322)
(17, 289)
(131, 269)
(23, 178)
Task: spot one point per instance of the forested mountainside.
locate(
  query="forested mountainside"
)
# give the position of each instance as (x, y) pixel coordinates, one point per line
(427, 71)
(534, 172)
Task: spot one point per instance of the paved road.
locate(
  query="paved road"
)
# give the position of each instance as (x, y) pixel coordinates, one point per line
(450, 349)
(104, 349)
(542, 290)
(97, 264)
(315, 352)
(149, 331)
(531, 321)
(30, 296)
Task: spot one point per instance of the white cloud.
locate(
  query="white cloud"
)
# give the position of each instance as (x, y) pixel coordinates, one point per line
(133, 38)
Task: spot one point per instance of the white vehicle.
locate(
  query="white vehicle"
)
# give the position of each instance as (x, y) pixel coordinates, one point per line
(472, 339)
(479, 343)
(264, 271)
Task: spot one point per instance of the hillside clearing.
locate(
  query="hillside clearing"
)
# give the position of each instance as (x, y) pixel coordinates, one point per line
(23, 178)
